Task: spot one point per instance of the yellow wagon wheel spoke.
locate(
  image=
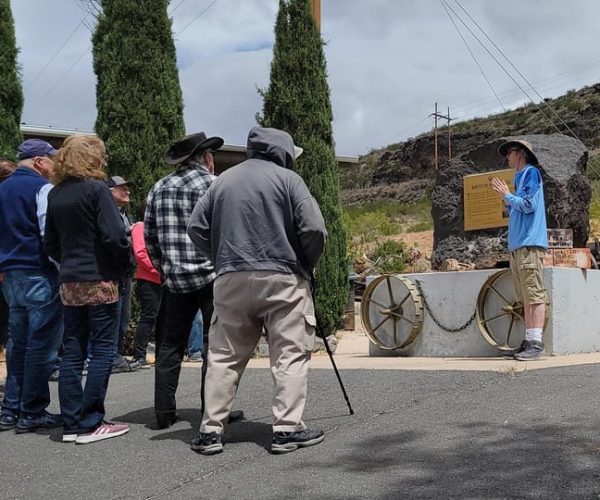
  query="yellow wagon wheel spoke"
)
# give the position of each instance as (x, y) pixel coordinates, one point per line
(487, 320)
(389, 286)
(397, 324)
(500, 295)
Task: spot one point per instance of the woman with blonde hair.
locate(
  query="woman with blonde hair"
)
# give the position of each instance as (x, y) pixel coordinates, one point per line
(84, 233)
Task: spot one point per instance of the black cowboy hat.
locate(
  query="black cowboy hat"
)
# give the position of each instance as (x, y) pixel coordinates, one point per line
(185, 147)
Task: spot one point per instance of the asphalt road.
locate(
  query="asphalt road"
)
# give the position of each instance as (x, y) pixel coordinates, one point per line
(414, 435)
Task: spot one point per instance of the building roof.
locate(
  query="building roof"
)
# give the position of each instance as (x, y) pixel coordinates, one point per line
(234, 153)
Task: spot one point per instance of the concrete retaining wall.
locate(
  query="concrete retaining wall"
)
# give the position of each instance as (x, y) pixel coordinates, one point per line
(573, 324)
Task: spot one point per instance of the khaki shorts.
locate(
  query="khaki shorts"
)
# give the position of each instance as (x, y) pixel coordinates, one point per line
(526, 266)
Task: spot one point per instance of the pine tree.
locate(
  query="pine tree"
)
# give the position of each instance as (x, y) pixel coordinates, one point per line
(139, 100)
(297, 101)
(11, 93)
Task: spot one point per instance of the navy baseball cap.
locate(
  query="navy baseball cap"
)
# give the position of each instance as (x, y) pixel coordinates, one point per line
(35, 147)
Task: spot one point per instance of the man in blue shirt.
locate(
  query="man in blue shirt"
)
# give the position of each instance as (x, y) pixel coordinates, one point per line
(31, 291)
(527, 241)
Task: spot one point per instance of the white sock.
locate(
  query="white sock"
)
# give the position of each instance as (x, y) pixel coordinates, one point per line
(533, 334)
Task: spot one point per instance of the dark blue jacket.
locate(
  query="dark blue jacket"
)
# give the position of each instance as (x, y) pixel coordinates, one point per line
(21, 237)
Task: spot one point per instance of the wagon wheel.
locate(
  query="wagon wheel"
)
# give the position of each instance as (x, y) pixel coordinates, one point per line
(499, 314)
(391, 312)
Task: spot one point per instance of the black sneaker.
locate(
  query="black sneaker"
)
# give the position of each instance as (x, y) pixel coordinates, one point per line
(510, 353)
(143, 364)
(8, 421)
(31, 424)
(207, 443)
(534, 351)
(124, 366)
(235, 415)
(284, 442)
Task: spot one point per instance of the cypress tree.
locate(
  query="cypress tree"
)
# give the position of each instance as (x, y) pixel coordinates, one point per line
(297, 101)
(11, 93)
(139, 100)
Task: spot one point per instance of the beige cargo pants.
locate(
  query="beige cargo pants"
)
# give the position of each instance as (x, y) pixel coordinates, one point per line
(244, 303)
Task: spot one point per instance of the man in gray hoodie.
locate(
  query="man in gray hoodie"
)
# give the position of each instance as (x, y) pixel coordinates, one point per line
(264, 232)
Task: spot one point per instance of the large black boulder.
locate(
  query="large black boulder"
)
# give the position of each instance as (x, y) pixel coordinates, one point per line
(567, 193)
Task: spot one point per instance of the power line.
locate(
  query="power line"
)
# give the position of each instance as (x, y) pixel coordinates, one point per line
(519, 73)
(64, 75)
(64, 44)
(196, 18)
(473, 56)
(482, 104)
(504, 69)
(177, 6)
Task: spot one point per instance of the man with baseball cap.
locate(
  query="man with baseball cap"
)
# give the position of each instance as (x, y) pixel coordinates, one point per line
(119, 188)
(31, 290)
(187, 274)
(527, 240)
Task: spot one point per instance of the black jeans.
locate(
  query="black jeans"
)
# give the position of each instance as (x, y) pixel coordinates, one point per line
(148, 295)
(180, 311)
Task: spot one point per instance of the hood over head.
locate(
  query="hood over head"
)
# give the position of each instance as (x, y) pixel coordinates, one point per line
(274, 145)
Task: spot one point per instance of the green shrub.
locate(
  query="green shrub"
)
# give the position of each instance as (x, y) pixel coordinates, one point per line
(297, 100)
(595, 209)
(11, 93)
(420, 226)
(389, 257)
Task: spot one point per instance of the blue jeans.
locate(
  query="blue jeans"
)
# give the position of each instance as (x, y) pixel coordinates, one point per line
(196, 336)
(3, 318)
(93, 328)
(123, 313)
(36, 330)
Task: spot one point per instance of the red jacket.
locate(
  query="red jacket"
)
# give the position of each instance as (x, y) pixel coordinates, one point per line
(145, 270)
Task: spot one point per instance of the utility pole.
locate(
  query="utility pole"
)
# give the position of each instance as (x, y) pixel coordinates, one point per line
(437, 115)
(315, 7)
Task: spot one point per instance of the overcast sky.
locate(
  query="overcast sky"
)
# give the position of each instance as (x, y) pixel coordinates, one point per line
(388, 61)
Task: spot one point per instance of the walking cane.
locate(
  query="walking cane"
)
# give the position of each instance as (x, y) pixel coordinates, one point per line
(328, 349)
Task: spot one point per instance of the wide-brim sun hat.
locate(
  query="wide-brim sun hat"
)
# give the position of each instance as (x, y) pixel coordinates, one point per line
(522, 144)
(185, 147)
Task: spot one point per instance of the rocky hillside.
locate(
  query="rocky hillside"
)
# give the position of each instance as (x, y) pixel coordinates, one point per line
(405, 171)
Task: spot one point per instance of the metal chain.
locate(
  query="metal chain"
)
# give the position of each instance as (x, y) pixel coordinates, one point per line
(436, 321)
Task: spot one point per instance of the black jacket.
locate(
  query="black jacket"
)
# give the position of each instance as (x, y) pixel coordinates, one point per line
(85, 233)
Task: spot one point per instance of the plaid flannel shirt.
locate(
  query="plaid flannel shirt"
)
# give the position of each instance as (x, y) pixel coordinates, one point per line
(168, 210)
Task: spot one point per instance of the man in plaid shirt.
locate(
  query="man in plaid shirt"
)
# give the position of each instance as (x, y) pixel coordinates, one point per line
(187, 274)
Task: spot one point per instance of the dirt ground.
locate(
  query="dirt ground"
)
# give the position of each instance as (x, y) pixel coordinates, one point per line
(423, 240)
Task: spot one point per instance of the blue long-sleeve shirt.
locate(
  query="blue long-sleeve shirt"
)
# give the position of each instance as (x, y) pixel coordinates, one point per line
(527, 211)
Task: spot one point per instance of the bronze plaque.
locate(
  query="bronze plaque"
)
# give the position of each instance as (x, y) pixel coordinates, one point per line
(484, 208)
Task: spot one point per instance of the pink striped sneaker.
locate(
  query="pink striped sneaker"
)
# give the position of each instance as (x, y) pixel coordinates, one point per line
(105, 430)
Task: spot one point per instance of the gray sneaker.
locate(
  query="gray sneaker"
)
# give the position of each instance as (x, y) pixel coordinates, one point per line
(284, 442)
(510, 353)
(208, 443)
(533, 351)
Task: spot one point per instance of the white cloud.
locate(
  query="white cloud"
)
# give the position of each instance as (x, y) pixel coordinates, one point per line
(389, 61)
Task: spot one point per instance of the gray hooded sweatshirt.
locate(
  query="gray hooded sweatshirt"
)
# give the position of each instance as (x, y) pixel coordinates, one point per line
(259, 215)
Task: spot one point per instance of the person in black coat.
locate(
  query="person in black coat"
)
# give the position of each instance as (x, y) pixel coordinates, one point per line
(85, 234)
